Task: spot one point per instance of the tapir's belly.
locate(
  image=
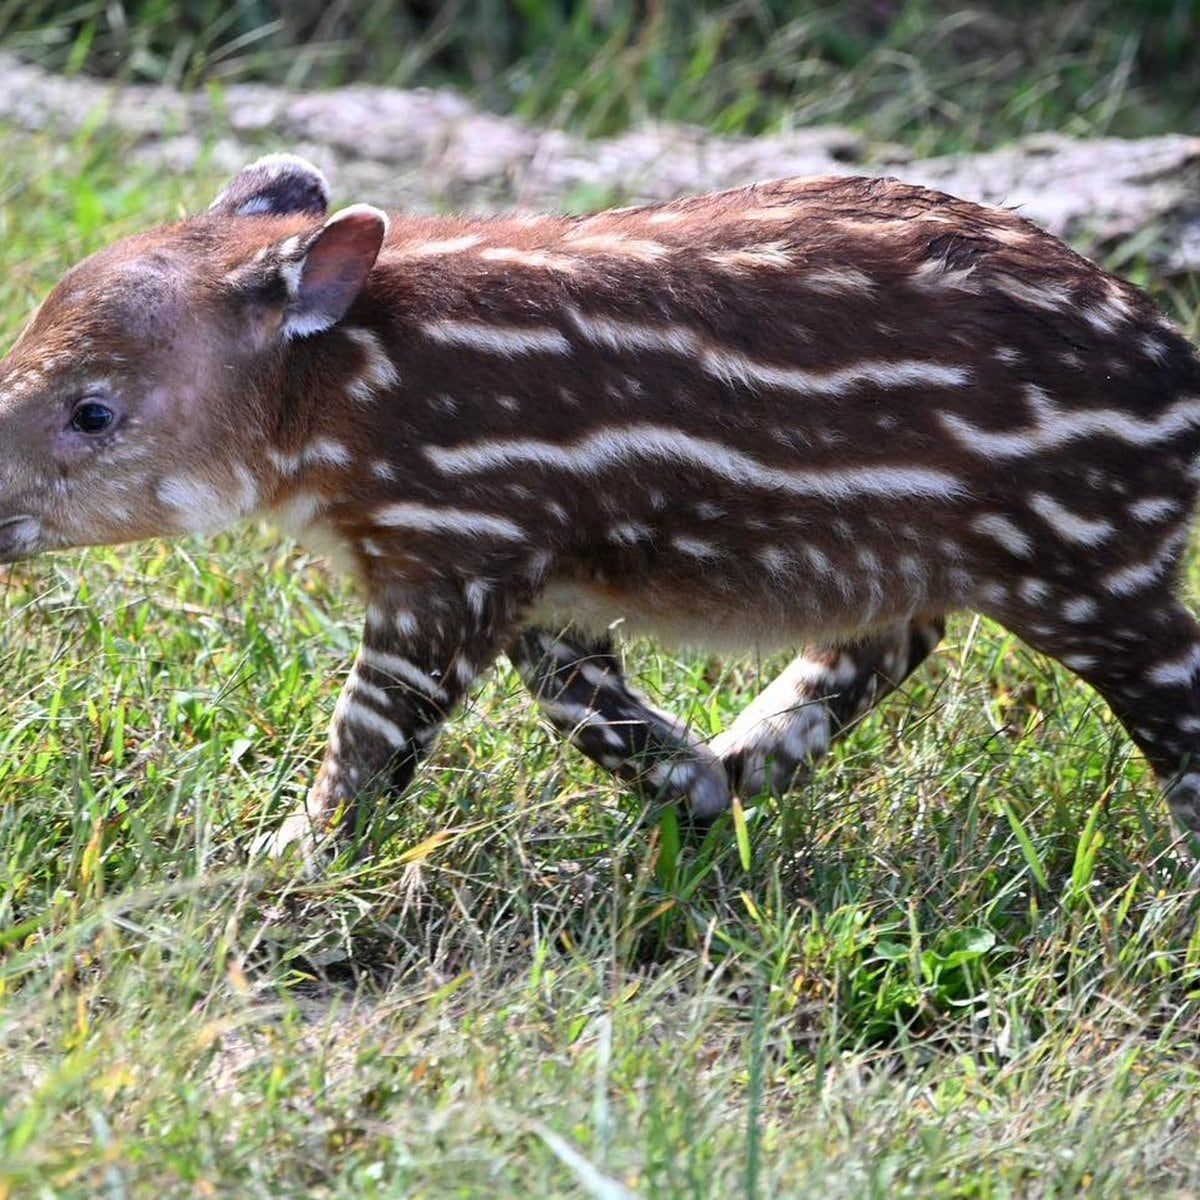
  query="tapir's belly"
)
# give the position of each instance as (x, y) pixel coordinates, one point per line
(713, 618)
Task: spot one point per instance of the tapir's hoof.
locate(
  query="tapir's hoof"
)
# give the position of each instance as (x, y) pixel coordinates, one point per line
(300, 842)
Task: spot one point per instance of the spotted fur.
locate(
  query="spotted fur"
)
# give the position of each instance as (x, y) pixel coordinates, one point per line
(818, 411)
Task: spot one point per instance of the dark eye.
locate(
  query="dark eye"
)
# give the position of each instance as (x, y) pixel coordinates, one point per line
(91, 417)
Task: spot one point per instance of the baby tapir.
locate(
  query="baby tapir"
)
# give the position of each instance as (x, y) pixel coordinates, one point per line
(819, 410)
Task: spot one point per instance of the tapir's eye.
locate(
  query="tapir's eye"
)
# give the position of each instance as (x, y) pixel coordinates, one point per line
(90, 416)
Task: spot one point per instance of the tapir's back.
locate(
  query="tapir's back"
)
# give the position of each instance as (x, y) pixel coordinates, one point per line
(841, 400)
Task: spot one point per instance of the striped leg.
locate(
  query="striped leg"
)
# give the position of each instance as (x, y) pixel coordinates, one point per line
(1144, 660)
(418, 657)
(578, 684)
(792, 722)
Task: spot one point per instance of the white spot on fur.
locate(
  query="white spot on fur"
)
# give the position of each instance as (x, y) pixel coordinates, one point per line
(379, 373)
(298, 324)
(476, 593)
(632, 335)
(1070, 526)
(1001, 529)
(319, 452)
(367, 718)
(608, 447)
(818, 560)
(465, 522)
(868, 560)
(456, 245)
(396, 666)
(370, 691)
(774, 256)
(695, 547)
(1128, 580)
(537, 259)
(620, 244)
(732, 367)
(1079, 662)
(1079, 609)
(1052, 426)
(1180, 671)
(934, 275)
(506, 340)
(629, 533)
(1153, 348)
(1104, 319)
(285, 464)
(838, 281)
(1051, 297)
(1153, 508)
(325, 452)
(247, 501)
(289, 246)
(777, 561)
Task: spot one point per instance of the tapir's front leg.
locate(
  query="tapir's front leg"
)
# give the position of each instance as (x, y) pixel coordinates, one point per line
(420, 653)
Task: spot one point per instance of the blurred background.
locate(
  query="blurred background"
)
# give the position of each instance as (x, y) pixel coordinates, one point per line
(936, 74)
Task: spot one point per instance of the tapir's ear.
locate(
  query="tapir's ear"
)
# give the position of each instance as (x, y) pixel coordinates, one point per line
(279, 185)
(325, 271)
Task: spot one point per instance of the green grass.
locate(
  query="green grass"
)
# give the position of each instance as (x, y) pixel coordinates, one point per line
(962, 962)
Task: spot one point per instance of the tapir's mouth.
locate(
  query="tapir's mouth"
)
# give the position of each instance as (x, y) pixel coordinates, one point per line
(19, 537)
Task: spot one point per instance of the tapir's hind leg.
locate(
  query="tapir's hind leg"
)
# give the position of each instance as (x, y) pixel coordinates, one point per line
(579, 685)
(792, 722)
(578, 682)
(1143, 656)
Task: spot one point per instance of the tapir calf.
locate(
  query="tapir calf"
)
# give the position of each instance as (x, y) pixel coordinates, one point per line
(816, 411)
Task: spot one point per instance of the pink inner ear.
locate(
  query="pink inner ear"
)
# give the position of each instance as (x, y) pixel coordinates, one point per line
(337, 265)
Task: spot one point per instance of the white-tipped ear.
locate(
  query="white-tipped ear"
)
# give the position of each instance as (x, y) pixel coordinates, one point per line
(328, 269)
(278, 185)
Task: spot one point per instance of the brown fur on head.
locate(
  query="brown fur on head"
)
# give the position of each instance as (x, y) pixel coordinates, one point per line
(133, 403)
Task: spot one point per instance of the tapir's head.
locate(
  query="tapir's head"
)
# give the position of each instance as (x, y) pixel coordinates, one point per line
(140, 399)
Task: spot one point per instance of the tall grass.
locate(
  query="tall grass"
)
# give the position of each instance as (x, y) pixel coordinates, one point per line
(936, 73)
